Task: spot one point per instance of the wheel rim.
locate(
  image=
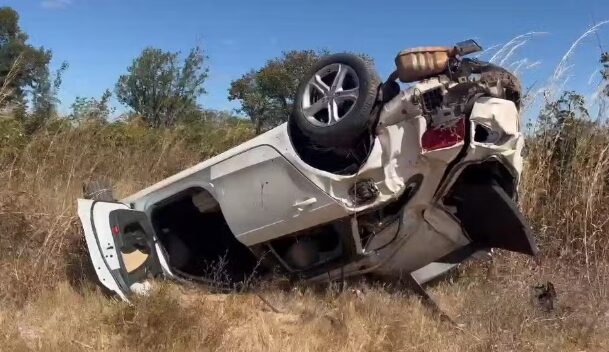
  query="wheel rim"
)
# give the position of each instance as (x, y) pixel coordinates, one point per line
(330, 94)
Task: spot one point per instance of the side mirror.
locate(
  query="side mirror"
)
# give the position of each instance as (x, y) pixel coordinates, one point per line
(467, 47)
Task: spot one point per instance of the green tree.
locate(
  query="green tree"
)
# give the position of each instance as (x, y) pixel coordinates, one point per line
(44, 99)
(22, 66)
(159, 88)
(92, 109)
(266, 95)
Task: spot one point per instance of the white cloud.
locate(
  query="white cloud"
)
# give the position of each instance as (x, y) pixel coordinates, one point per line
(55, 4)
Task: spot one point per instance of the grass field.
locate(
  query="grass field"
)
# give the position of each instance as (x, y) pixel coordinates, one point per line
(47, 304)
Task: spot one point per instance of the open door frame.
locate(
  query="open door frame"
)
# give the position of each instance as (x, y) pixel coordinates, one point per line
(122, 246)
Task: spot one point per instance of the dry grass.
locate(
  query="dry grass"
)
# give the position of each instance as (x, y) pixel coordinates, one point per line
(493, 307)
(565, 192)
(46, 305)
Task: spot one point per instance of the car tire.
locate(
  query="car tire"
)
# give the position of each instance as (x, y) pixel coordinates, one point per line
(336, 101)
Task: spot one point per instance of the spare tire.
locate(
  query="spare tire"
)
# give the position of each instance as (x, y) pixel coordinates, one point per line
(336, 101)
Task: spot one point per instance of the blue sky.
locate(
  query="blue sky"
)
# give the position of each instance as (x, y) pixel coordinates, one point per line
(100, 38)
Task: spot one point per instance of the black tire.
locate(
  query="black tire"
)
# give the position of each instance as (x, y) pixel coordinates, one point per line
(361, 115)
(100, 190)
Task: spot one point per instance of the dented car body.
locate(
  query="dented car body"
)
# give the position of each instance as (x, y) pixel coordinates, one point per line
(434, 180)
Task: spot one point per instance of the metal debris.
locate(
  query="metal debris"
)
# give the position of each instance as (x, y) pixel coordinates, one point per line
(545, 296)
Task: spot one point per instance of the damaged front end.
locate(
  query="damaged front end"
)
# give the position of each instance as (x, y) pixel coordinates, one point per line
(455, 185)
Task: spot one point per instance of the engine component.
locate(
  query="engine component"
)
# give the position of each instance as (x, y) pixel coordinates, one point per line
(419, 63)
(363, 191)
(496, 80)
(432, 99)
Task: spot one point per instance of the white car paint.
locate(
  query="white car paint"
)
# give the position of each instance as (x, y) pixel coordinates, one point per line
(101, 248)
(266, 191)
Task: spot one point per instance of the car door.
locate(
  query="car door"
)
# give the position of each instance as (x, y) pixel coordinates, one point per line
(122, 246)
(263, 196)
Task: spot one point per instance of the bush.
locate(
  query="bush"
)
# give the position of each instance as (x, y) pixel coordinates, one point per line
(12, 137)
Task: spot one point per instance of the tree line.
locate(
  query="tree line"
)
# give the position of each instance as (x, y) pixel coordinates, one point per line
(162, 88)
(159, 87)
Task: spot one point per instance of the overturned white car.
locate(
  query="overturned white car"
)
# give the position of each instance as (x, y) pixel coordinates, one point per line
(366, 177)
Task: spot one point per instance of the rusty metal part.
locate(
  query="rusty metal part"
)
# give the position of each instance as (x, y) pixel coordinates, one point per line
(419, 63)
(501, 83)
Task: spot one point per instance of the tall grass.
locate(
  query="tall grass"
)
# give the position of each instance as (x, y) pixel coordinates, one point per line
(567, 196)
(42, 176)
(46, 303)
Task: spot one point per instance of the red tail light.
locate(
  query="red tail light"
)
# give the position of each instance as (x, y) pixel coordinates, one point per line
(443, 136)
